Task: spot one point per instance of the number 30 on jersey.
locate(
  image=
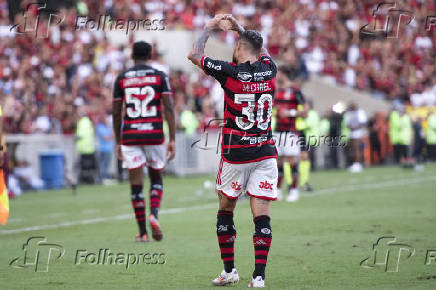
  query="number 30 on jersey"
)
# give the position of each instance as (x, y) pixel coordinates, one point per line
(248, 111)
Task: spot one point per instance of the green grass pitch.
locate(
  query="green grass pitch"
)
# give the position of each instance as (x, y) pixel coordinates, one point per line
(318, 242)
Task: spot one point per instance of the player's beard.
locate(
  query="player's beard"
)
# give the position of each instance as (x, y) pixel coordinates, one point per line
(234, 59)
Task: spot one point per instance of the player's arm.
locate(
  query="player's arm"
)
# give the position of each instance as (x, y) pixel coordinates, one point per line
(235, 24)
(197, 52)
(168, 107)
(117, 108)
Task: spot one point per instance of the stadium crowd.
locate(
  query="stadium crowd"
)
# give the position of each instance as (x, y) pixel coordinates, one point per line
(42, 81)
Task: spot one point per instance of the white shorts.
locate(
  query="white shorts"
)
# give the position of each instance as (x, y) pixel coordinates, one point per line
(287, 144)
(258, 179)
(153, 156)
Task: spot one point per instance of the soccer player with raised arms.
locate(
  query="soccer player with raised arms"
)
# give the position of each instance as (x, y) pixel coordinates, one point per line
(248, 157)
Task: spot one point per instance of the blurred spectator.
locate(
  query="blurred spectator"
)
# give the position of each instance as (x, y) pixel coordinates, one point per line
(86, 148)
(418, 142)
(378, 129)
(356, 119)
(400, 134)
(40, 79)
(105, 146)
(335, 130)
(26, 177)
(431, 136)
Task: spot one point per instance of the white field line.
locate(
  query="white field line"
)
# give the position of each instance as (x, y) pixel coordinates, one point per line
(102, 219)
(345, 188)
(354, 187)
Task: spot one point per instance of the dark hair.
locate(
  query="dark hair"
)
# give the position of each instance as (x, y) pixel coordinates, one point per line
(141, 50)
(253, 38)
(290, 72)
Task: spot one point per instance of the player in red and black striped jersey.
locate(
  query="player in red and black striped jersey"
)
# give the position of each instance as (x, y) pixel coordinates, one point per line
(248, 157)
(289, 141)
(143, 94)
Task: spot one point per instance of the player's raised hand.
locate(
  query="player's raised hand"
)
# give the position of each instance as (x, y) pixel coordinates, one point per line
(216, 23)
(232, 23)
(171, 150)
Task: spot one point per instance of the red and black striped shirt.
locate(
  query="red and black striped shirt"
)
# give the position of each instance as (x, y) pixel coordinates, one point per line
(287, 99)
(248, 99)
(141, 88)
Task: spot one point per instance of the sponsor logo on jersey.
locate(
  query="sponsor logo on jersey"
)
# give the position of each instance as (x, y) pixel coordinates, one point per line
(260, 76)
(142, 127)
(244, 76)
(263, 73)
(212, 66)
(255, 140)
(236, 186)
(265, 185)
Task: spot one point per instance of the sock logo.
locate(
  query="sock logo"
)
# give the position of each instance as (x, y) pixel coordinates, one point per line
(137, 196)
(139, 204)
(154, 192)
(260, 242)
(265, 231)
(222, 228)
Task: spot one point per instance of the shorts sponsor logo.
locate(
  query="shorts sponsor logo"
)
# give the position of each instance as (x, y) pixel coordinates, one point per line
(137, 158)
(236, 186)
(265, 231)
(265, 185)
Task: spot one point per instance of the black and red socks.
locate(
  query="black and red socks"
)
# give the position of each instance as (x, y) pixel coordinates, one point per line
(155, 197)
(262, 241)
(138, 204)
(226, 232)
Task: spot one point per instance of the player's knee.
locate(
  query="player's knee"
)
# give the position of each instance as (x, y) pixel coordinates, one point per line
(155, 176)
(262, 226)
(136, 193)
(226, 203)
